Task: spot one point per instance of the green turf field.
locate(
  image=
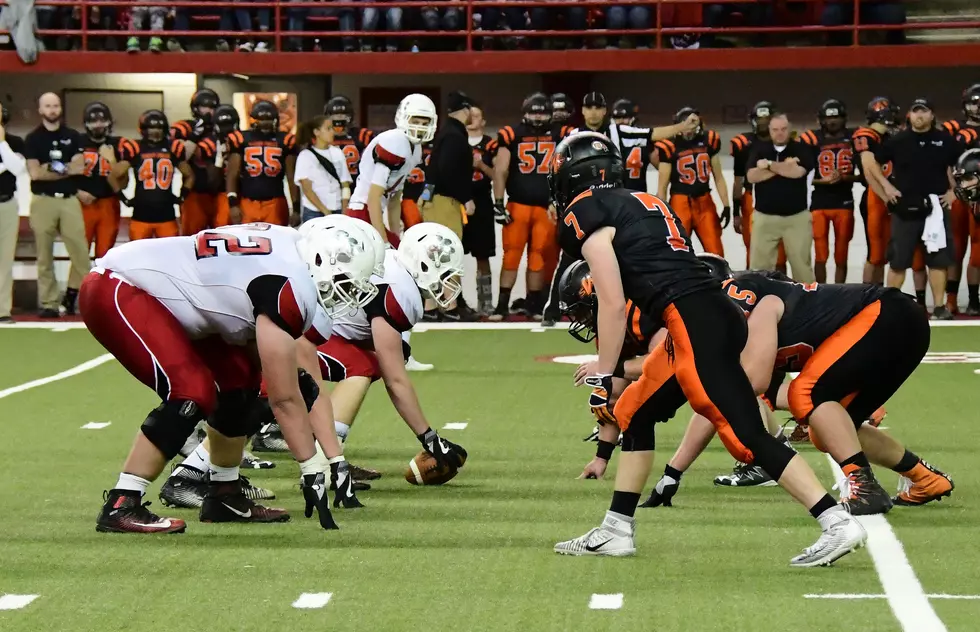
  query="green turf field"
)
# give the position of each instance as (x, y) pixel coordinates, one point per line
(477, 553)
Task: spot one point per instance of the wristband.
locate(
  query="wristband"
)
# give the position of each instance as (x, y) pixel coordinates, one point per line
(232, 199)
(604, 450)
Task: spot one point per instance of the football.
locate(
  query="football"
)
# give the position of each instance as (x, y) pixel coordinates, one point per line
(425, 470)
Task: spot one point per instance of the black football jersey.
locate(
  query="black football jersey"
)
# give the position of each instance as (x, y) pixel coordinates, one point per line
(155, 165)
(740, 147)
(95, 178)
(655, 257)
(486, 149)
(263, 162)
(831, 154)
(690, 162)
(531, 151)
(812, 313)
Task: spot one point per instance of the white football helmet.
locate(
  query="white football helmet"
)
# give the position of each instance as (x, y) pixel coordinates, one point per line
(341, 260)
(341, 220)
(433, 255)
(417, 106)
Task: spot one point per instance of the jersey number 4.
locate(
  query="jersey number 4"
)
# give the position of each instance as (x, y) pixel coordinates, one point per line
(206, 245)
(535, 157)
(156, 173)
(263, 161)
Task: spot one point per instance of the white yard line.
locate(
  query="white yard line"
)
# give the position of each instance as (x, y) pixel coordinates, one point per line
(904, 593)
(96, 425)
(859, 596)
(308, 601)
(16, 602)
(81, 368)
(606, 602)
(455, 425)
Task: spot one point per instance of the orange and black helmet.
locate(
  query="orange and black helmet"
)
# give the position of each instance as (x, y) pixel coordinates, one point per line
(577, 300)
(883, 110)
(154, 120)
(966, 175)
(265, 117)
(97, 120)
(204, 98)
(718, 265)
(583, 161)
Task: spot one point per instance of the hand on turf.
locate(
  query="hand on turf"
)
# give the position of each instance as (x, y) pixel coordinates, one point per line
(314, 488)
(444, 452)
(599, 397)
(595, 469)
(663, 492)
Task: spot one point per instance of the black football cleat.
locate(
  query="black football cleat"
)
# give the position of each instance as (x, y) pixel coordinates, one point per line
(227, 502)
(342, 483)
(269, 439)
(864, 495)
(122, 512)
(314, 488)
(185, 488)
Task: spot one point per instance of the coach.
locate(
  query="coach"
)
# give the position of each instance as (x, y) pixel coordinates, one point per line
(449, 176)
(12, 166)
(54, 157)
(922, 159)
(778, 169)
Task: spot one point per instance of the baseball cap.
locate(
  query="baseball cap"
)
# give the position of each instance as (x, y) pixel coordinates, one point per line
(921, 104)
(457, 101)
(594, 99)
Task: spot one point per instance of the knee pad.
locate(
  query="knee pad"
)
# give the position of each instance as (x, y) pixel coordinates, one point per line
(231, 416)
(170, 424)
(259, 414)
(308, 388)
(512, 257)
(640, 436)
(535, 260)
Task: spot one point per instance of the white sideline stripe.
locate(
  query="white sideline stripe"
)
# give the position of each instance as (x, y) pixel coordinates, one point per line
(857, 596)
(606, 602)
(16, 602)
(461, 425)
(96, 425)
(538, 330)
(81, 368)
(312, 600)
(903, 591)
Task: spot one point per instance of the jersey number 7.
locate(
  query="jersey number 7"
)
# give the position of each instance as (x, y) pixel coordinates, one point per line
(206, 245)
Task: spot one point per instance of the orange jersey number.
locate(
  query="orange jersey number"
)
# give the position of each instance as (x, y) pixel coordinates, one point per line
(353, 157)
(693, 168)
(634, 164)
(156, 173)
(93, 160)
(840, 160)
(263, 161)
(652, 203)
(535, 157)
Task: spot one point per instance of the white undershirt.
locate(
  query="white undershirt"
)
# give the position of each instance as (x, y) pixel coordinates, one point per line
(324, 185)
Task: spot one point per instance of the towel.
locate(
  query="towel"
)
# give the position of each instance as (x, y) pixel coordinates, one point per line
(19, 18)
(934, 233)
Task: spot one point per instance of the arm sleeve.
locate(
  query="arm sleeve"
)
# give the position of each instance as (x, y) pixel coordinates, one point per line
(273, 296)
(236, 142)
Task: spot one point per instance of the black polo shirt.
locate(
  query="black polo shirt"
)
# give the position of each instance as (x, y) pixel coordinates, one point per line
(45, 147)
(779, 195)
(920, 160)
(450, 169)
(8, 181)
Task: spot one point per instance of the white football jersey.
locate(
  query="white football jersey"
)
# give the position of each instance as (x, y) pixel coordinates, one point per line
(399, 302)
(217, 281)
(387, 161)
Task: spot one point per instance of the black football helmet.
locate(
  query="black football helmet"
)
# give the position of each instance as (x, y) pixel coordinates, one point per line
(583, 161)
(832, 116)
(537, 110)
(203, 104)
(760, 115)
(883, 111)
(226, 120)
(682, 114)
(625, 112)
(718, 265)
(97, 120)
(971, 103)
(340, 110)
(562, 108)
(577, 300)
(153, 126)
(966, 175)
(265, 117)
(4, 115)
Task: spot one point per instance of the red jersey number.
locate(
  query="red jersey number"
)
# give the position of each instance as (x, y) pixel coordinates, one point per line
(840, 161)
(353, 157)
(206, 245)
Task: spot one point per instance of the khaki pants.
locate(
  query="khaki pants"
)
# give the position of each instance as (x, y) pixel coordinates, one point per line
(49, 217)
(446, 211)
(796, 232)
(9, 225)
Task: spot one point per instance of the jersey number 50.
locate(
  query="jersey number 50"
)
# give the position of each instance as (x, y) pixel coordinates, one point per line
(263, 161)
(694, 168)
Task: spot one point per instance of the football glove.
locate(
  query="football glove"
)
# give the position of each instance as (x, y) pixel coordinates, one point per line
(599, 397)
(444, 452)
(663, 492)
(199, 130)
(309, 389)
(314, 488)
(343, 483)
(726, 216)
(500, 213)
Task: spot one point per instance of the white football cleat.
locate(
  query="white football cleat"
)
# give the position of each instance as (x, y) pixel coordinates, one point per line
(613, 538)
(844, 535)
(415, 365)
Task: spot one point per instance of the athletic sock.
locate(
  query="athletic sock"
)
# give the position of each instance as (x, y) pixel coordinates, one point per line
(315, 464)
(132, 483)
(822, 505)
(223, 474)
(199, 459)
(909, 460)
(973, 291)
(503, 299)
(952, 287)
(484, 290)
(624, 503)
(342, 430)
(854, 463)
(920, 297)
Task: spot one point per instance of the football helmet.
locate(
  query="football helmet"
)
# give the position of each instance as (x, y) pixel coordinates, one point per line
(340, 111)
(203, 103)
(624, 112)
(341, 220)
(433, 255)
(966, 175)
(832, 116)
(226, 120)
(884, 111)
(682, 115)
(562, 108)
(340, 260)
(718, 265)
(537, 110)
(577, 300)
(971, 103)
(760, 115)
(416, 117)
(265, 117)
(583, 161)
(98, 120)
(153, 126)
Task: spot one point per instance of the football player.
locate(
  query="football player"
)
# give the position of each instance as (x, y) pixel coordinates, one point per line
(637, 250)
(352, 140)
(188, 317)
(965, 175)
(479, 236)
(154, 159)
(100, 204)
(832, 199)
(625, 112)
(964, 224)
(410, 215)
(202, 207)
(255, 192)
(687, 162)
(562, 109)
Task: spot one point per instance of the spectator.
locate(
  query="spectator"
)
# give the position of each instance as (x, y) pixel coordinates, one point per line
(496, 19)
(54, 156)
(635, 17)
(371, 21)
(756, 14)
(243, 17)
(50, 18)
(141, 16)
(922, 158)
(297, 22)
(572, 18)
(12, 166)
(479, 235)
(778, 169)
(442, 19)
(870, 12)
(321, 171)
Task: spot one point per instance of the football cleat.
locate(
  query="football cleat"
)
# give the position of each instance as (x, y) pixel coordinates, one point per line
(227, 502)
(185, 488)
(801, 434)
(862, 495)
(415, 365)
(269, 439)
(923, 484)
(613, 538)
(342, 483)
(314, 488)
(843, 536)
(249, 462)
(363, 473)
(197, 437)
(122, 512)
(745, 476)
(877, 417)
(973, 309)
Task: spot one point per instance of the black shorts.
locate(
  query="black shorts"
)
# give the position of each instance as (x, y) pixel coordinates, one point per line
(865, 361)
(906, 235)
(479, 234)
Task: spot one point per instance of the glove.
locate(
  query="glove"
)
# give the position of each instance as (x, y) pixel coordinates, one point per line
(737, 207)
(663, 492)
(726, 216)
(309, 388)
(183, 195)
(314, 488)
(599, 397)
(500, 213)
(343, 483)
(199, 129)
(444, 452)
